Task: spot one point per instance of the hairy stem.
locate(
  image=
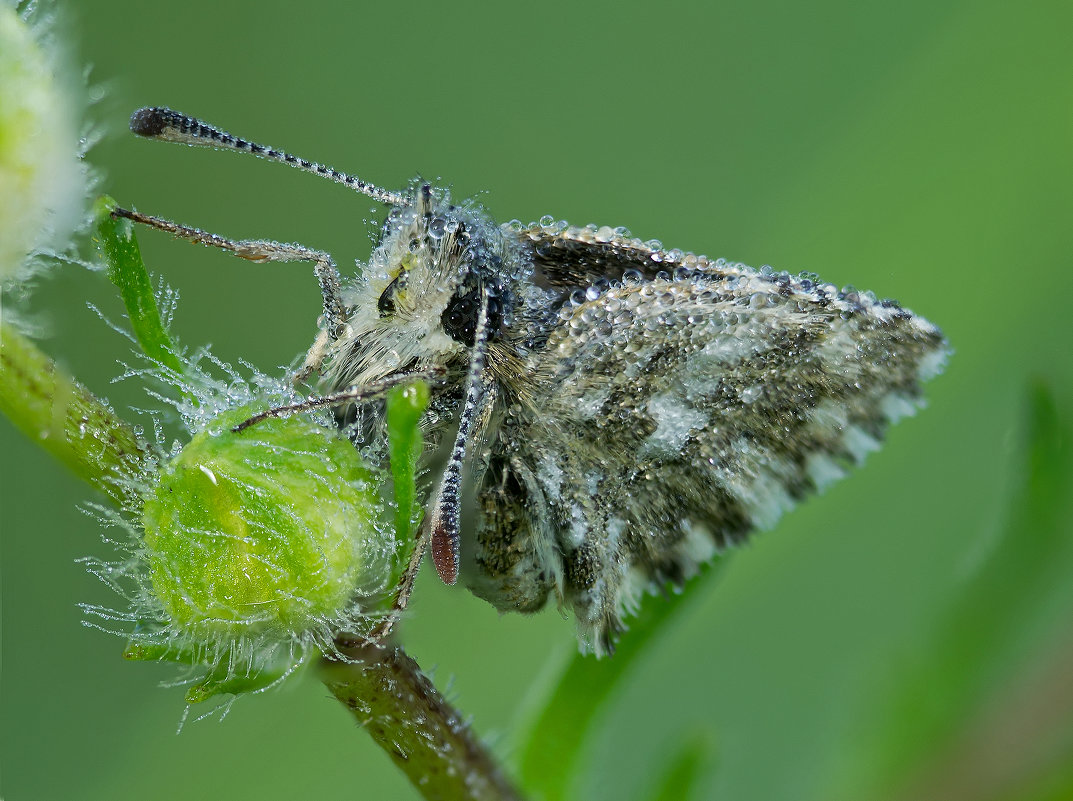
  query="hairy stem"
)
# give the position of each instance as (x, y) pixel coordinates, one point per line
(66, 419)
(403, 712)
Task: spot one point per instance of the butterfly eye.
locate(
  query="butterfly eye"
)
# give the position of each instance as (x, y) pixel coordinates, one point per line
(459, 319)
(386, 304)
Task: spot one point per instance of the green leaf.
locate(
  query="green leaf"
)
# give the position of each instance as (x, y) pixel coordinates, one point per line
(681, 780)
(551, 754)
(118, 246)
(404, 408)
(143, 649)
(223, 681)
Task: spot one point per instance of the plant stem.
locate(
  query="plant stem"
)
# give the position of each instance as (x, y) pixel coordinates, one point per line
(403, 712)
(66, 419)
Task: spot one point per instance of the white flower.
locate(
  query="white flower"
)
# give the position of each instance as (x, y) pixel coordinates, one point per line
(43, 182)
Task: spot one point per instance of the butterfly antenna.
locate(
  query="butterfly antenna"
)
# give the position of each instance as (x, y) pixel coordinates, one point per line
(166, 125)
(446, 507)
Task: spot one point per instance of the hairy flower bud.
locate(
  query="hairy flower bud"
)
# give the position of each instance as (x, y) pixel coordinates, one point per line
(274, 530)
(44, 183)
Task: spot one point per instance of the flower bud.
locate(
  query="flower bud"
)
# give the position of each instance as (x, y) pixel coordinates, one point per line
(274, 530)
(44, 183)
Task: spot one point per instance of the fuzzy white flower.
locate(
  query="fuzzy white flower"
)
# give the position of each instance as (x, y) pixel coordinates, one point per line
(43, 182)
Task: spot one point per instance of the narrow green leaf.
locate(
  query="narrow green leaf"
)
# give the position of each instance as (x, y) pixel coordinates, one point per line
(118, 246)
(144, 650)
(222, 681)
(681, 780)
(551, 753)
(404, 408)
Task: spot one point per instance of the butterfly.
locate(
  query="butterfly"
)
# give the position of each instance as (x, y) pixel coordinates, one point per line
(614, 413)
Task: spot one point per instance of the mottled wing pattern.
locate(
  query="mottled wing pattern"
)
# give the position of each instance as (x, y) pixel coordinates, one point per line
(667, 418)
(573, 256)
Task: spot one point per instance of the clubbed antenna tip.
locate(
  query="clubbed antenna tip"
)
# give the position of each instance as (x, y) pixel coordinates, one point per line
(148, 121)
(158, 122)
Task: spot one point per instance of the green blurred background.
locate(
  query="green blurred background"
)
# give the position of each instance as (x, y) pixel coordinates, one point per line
(918, 149)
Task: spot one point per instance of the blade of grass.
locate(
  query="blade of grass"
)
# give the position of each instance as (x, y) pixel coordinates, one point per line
(552, 750)
(404, 408)
(221, 682)
(118, 246)
(681, 779)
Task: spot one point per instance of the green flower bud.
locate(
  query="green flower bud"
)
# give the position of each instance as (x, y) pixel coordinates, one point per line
(272, 531)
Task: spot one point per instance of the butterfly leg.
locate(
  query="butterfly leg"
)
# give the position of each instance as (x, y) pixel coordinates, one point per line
(351, 395)
(261, 250)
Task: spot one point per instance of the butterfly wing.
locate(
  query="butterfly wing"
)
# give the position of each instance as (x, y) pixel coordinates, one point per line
(669, 416)
(580, 256)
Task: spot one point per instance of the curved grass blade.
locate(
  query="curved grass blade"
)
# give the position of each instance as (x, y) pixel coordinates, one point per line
(681, 778)
(404, 408)
(551, 753)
